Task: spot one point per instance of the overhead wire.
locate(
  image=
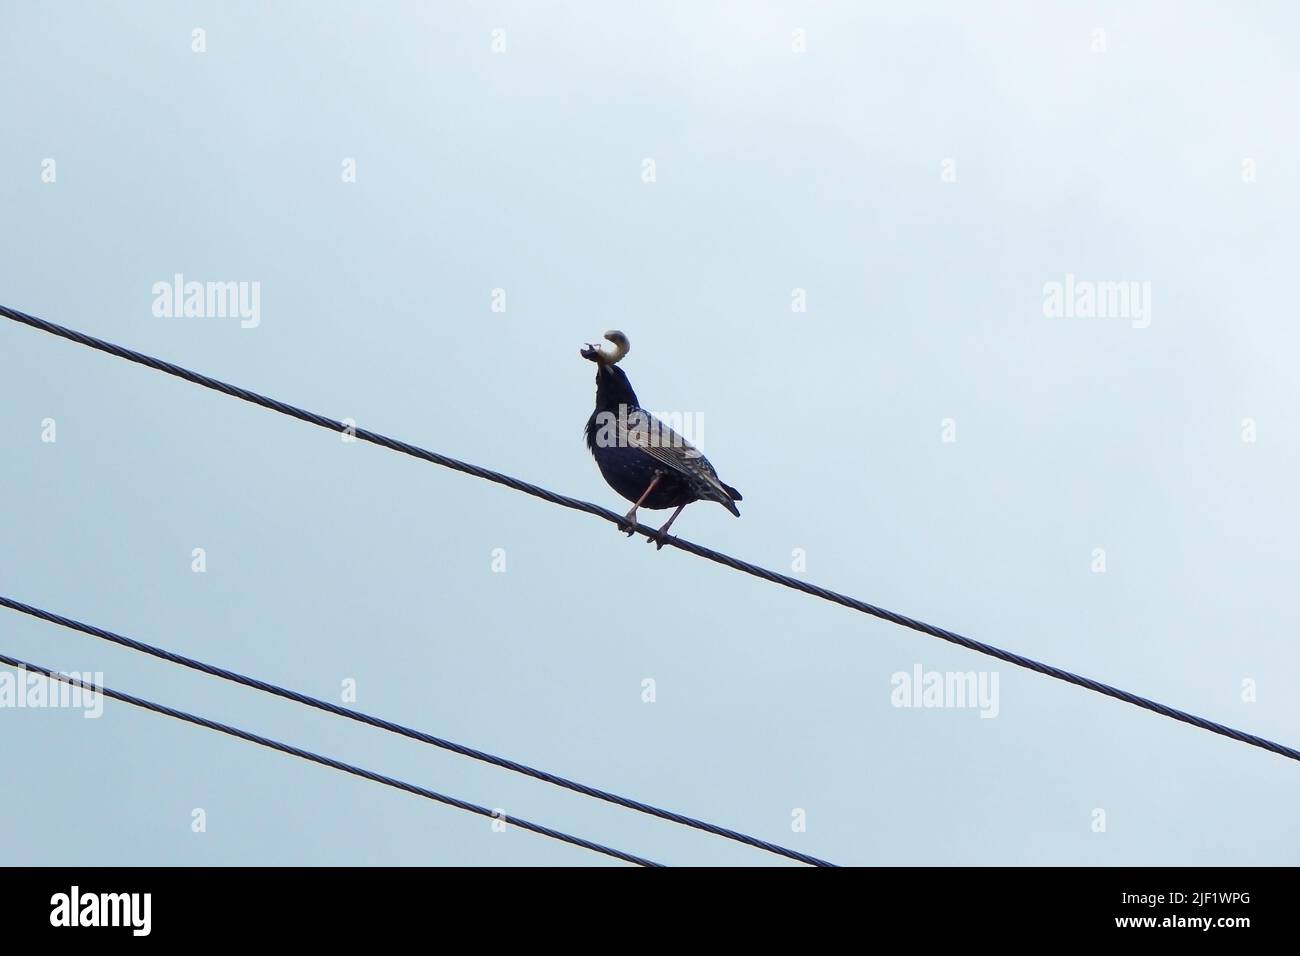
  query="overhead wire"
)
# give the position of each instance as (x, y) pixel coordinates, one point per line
(681, 544)
(404, 731)
(325, 761)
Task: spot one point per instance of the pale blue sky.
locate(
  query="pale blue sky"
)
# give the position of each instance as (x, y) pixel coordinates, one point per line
(775, 170)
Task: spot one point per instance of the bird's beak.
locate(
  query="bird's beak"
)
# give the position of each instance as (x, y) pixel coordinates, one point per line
(600, 356)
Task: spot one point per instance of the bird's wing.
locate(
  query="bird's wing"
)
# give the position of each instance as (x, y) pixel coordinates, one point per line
(642, 430)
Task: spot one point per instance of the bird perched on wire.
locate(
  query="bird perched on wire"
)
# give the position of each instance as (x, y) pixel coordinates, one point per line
(641, 458)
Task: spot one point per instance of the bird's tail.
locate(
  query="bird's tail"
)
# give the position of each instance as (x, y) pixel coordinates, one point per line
(735, 496)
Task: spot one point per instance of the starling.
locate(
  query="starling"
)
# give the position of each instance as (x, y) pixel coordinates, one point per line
(641, 458)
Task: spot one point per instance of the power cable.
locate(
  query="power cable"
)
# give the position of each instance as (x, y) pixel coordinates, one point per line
(391, 727)
(325, 761)
(681, 544)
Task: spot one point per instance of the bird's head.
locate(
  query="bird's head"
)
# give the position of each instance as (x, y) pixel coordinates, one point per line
(612, 387)
(606, 358)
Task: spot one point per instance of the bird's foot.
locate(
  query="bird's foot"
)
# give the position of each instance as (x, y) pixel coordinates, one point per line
(661, 536)
(628, 524)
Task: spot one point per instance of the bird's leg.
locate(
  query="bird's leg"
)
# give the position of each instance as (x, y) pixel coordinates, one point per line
(630, 517)
(658, 539)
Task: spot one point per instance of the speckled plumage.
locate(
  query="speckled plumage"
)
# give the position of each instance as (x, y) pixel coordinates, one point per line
(632, 448)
